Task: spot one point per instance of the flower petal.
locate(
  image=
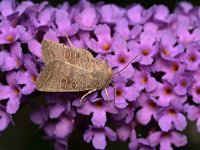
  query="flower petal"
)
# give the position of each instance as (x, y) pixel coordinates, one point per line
(165, 123)
(13, 105)
(99, 118)
(99, 141)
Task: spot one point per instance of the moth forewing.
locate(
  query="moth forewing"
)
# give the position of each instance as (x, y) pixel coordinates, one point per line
(70, 69)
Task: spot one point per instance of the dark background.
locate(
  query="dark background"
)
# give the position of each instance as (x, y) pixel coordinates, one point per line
(26, 136)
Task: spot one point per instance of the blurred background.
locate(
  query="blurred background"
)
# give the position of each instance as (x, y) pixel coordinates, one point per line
(26, 136)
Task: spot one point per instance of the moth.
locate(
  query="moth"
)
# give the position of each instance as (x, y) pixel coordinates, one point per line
(71, 69)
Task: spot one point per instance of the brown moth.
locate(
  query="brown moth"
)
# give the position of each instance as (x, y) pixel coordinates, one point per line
(71, 69)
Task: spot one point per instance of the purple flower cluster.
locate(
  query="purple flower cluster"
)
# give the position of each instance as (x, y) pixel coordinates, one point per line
(159, 91)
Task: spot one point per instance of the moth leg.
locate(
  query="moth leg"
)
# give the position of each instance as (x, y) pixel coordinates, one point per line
(70, 43)
(91, 91)
(106, 92)
(114, 91)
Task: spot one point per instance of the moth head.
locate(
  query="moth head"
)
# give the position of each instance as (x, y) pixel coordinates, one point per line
(102, 74)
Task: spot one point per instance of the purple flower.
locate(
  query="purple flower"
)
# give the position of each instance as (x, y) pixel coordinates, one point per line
(4, 120)
(43, 16)
(63, 128)
(191, 57)
(6, 7)
(164, 94)
(13, 59)
(64, 24)
(168, 49)
(9, 7)
(63, 114)
(23, 7)
(171, 116)
(195, 92)
(9, 34)
(193, 114)
(182, 83)
(150, 26)
(166, 139)
(148, 109)
(146, 46)
(87, 18)
(143, 80)
(110, 13)
(11, 92)
(185, 7)
(35, 48)
(123, 94)
(126, 113)
(169, 68)
(122, 27)
(127, 131)
(27, 78)
(184, 36)
(161, 14)
(59, 132)
(51, 35)
(98, 136)
(39, 117)
(58, 105)
(80, 40)
(104, 40)
(121, 58)
(140, 143)
(138, 15)
(98, 107)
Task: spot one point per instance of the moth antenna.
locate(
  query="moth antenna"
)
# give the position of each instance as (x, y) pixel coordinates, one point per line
(70, 43)
(114, 90)
(107, 95)
(126, 65)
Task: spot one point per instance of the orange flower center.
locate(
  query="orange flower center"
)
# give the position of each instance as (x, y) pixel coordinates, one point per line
(184, 83)
(10, 38)
(175, 67)
(106, 47)
(144, 79)
(145, 52)
(165, 134)
(17, 63)
(172, 112)
(198, 90)
(119, 93)
(16, 91)
(193, 58)
(152, 105)
(122, 60)
(99, 104)
(167, 91)
(34, 79)
(165, 52)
